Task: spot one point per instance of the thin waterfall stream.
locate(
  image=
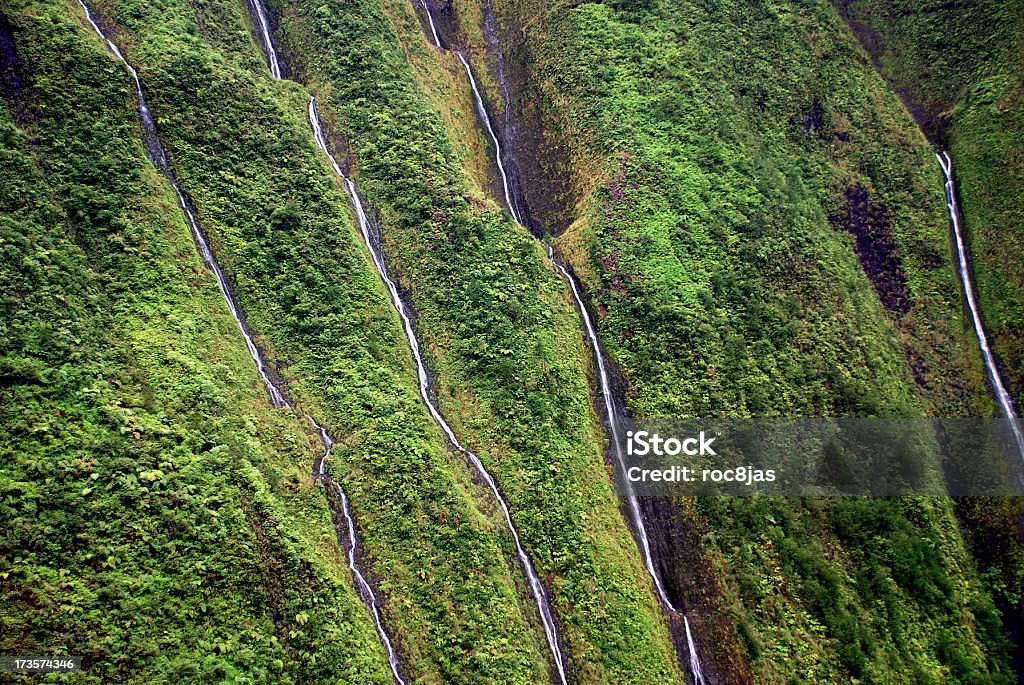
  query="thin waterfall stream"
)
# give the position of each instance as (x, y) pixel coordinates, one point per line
(156, 154)
(365, 589)
(963, 267)
(633, 504)
(263, 26)
(536, 588)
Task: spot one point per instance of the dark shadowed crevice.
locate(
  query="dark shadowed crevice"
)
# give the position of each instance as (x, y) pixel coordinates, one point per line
(869, 223)
(11, 80)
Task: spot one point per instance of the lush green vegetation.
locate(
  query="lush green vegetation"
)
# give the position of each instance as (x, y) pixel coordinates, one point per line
(959, 72)
(158, 516)
(243, 150)
(762, 228)
(495, 322)
(757, 221)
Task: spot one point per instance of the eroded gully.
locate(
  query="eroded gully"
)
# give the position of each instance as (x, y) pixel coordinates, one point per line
(156, 154)
(612, 412)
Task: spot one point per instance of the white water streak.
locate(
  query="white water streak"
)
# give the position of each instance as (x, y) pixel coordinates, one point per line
(609, 407)
(365, 589)
(263, 26)
(478, 102)
(539, 594)
(277, 398)
(698, 672)
(606, 392)
(1002, 396)
(430, 20)
(160, 161)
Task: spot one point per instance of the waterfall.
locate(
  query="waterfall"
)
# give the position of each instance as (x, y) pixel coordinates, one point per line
(365, 589)
(604, 381)
(263, 27)
(962, 263)
(633, 503)
(695, 667)
(366, 592)
(156, 154)
(478, 101)
(536, 588)
(158, 157)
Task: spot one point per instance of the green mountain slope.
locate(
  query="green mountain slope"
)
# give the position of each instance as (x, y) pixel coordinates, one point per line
(279, 214)
(158, 517)
(494, 318)
(759, 228)
(762, 228)
(959, 71)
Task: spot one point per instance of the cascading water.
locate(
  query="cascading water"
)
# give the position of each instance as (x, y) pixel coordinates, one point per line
(157, 155)
(478, 101)
(365, 589)
(263, 27)
(1002, 396)
(633, 503)
(604, 381)
(695, 667)
(539, 594)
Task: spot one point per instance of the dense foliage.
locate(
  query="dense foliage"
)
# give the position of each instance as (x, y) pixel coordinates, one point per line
(762, 227)
(757, 222)
(959, 74)
(497, 327)
(158, 517)
(959, 71)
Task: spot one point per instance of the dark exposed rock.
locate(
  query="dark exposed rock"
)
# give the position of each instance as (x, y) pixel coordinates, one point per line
(10, 68)
(868, 222)
(815, 119)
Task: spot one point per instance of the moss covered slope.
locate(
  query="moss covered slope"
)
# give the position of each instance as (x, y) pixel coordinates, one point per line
(158, 516)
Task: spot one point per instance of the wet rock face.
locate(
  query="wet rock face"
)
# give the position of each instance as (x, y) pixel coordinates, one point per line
(694, 588)
(10, 71)
(868, 222)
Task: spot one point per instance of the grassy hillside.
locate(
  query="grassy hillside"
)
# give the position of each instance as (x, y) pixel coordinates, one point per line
(242, 151)
(756, 220)
(959, 71)
(762, 228)
(494, 318)
(158, 517)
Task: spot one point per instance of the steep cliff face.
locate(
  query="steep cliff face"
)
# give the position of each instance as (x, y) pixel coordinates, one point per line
(495, 321)
(758, 226)
(159, 518)
(959, 73)
(740, 191)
